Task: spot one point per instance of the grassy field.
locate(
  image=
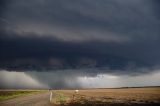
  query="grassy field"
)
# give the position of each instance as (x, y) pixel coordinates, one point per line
(9, 94)
(111, 97)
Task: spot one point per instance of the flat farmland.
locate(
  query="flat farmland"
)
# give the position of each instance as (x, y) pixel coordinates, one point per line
(149, 96)
(107, 97)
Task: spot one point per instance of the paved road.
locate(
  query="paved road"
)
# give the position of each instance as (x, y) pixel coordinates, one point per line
(40, 99)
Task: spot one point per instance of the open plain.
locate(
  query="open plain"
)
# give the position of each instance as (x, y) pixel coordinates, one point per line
(108, 97)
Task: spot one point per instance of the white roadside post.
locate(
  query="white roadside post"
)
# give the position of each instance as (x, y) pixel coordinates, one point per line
(50, 99)
(76, 91)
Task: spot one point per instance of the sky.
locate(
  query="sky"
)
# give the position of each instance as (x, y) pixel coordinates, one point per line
(79, 43)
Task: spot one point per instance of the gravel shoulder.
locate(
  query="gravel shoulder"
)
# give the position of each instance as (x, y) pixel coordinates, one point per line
(38, 99)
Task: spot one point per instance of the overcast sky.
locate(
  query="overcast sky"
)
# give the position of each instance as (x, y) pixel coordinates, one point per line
(79, 43)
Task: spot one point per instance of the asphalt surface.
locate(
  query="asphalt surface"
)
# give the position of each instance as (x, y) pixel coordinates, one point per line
(38, 99)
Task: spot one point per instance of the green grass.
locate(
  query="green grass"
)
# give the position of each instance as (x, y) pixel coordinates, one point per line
(5, 95)
(59, 98)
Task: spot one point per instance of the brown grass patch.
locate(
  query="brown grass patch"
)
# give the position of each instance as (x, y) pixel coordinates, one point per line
(122, 97)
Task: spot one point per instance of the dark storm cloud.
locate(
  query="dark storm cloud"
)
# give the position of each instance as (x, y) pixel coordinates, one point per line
(46, 53)
(68, 34)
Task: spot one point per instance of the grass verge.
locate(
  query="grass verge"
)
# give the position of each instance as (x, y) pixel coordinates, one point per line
(59, 98)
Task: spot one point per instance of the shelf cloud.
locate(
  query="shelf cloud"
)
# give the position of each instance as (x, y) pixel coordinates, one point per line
(89, 37)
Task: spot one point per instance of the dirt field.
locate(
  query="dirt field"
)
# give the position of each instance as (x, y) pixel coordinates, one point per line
(108, 97)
